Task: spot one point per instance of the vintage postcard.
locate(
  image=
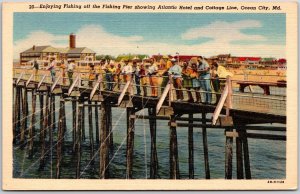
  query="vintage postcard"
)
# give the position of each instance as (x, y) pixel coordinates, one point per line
(150, 96)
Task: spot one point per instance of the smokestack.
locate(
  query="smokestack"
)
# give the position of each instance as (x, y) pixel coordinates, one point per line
(33, 47)
(72, 41)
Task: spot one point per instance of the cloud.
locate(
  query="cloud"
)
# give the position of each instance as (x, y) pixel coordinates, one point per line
(222, 32)
(103, 42)
(39, 38)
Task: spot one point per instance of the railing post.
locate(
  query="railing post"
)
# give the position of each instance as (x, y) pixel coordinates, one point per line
(171, 89)
(229, 95)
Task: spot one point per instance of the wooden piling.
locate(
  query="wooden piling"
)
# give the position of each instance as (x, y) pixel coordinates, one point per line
(97, 123)
(205, 146)
(16, 115)
(91, 135)
(191, 147)
(153, 159)
(64, 126)
(104, 154)
(174, 165)
(109, 125)
(239, 156)
(130, 142)
(74, 121)
(228, 155)
(42, 131)
(26, 111)
(78, 139)
(246, 154)
(83, 123)
(32, 127)
(53, 112)
(23, 120)
(50, 120)
(59, 141)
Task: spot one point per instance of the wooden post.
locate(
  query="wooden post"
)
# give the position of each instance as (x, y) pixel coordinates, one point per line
(26, 111)
(59, 140)
(79, 138)
(109, 125)
(130, 142)
(50, 121)
(42, 131)
(228, 155)
(19, 110)
(83, 123)
(246, 154)
(104, 154)
(32, 127)
(16, 115)
(91, 135)
(53, 112)
(41, 97)
(191, 147)
(153, 160)
(205, 146)
(174, 165)
(97, 123)
(64, 126)
(239, 157)
(74, 120)
(23, 120)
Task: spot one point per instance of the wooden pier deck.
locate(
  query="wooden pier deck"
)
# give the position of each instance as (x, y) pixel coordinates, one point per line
(235, 112)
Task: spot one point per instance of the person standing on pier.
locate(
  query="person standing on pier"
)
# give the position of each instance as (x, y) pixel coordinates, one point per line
(144, 79)
(176, 71)
(110, 71)
(35, 66)
(117, 76)
(70, 69)
(137, 78)
(187, 80)
(127, 72)
(215, 81)
(51, 68)
(165, 75)
(92, 75)
(152, 72)
(63, 71)
(195, 81)
(204, 78)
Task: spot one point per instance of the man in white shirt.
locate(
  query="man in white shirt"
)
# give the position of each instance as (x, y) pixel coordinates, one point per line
(70, 68)
(51, 68)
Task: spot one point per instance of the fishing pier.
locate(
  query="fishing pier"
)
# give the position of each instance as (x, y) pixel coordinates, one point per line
(236, 113)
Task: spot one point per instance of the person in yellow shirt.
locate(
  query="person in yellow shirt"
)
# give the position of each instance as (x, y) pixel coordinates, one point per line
(165, 75)
(92, 75)
(110, 71)
(152, 73)
(63, 71)
(187, 80)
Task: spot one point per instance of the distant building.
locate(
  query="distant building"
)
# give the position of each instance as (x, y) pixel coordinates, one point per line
(281, 64)
(44, 53)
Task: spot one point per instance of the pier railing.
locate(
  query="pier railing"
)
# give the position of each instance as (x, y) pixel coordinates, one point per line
(263, 96)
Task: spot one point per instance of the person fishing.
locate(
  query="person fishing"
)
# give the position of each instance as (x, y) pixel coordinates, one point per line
(204, 78)
(51, 68)
(35, 66)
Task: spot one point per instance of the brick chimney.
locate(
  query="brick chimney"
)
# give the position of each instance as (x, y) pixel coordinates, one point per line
(33, 47)
(72, 41)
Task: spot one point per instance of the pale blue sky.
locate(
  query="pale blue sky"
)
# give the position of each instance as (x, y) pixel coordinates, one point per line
(185, 31)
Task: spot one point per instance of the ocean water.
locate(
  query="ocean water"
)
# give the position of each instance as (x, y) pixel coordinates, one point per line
(267, 157)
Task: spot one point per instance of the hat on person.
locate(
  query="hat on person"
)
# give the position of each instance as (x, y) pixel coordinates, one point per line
(173, 59)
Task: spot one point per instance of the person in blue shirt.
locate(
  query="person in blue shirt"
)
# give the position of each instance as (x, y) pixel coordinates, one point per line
(204, 78)
(176, 72)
